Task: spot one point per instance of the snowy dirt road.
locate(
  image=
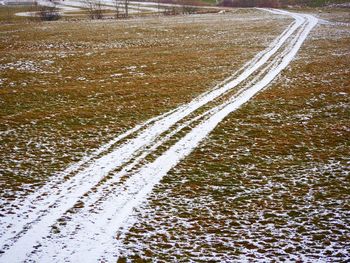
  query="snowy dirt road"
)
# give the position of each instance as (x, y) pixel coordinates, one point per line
(76, 217)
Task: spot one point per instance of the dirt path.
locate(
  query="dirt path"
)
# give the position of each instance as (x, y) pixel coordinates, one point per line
(118, 177)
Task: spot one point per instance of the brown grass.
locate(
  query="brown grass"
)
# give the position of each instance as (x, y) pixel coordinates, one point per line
(74, 101)
(272, 178)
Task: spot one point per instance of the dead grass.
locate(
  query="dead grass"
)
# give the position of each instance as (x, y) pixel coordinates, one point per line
(271, 182)
(7, 14)
(68, 87)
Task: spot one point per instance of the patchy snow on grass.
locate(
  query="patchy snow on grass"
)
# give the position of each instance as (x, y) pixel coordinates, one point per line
(25, 66)
(124, 196)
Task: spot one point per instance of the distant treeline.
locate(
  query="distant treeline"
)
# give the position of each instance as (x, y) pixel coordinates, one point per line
(276, 3)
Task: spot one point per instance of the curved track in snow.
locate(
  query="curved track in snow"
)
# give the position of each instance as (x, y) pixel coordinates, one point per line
(76, 219)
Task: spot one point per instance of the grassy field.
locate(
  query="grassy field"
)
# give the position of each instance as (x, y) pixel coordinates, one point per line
(65, 91)
(272, 181)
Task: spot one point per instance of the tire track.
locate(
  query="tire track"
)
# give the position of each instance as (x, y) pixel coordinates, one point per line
(51, 195)
(24, 235)
(133, 192)
(102, 192)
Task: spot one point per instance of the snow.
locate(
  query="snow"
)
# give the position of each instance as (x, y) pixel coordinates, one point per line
(116, 75)
(24, 66)
(111, 206)
(76, 5)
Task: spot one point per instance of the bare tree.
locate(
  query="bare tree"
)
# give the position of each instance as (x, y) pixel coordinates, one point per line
(49, 12)
(94, 8)
(117, 8)
(121, 8)
(126, 7)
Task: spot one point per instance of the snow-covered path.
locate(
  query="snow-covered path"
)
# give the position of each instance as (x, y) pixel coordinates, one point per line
(97, 196)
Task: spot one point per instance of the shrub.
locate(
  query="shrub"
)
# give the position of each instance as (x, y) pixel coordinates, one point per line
(49, 13)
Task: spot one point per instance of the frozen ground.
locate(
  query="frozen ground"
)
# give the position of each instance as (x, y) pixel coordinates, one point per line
(268, 183)
(44, 95)
(249, 192)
